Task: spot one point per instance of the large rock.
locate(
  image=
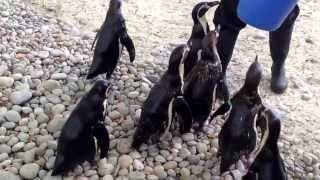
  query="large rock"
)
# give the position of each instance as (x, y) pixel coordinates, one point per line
(6, 82)
(20, 97)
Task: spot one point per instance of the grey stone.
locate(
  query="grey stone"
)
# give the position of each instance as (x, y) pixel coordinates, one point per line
(17, 146)
(36, 74)
(136, 175)
(29, 171)
(123, 109)
(6, 82)
(12, 116)
(170, 165)
(5, 148)
(29, 156)
(201, 147)
(20, 97)
(125, 161)
(51, 85)
(114, 115)
(138, 165)
(5, 175)
(59, 76)
(107, 177)
(4, 156)
(133, 94)
(56, 124)
(188, 137)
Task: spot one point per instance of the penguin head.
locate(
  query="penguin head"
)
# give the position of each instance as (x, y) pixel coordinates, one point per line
(253, 77)
(100, 88)
(177, 58)
(201, 9)
(238, 136)
(114, 6)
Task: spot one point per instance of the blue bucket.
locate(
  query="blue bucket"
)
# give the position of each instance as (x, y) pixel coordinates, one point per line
(265, 14)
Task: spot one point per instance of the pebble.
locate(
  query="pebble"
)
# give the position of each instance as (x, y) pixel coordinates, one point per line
(138, 165)
(12, 116)
(29, 171)
(136, 175)
(51, 85)
(18, 146)
(5, 148)
(114, 115)
(6, 82)
(107, 177)
(3, 156)
(188, 137)
(59, 76)
(20, 97)
(133, 94)
(123, 109)
(56, 124)
(158, 170)
(29, 156)
(6, 175)
(201, 147)
(170, 165)
(123, 146)
(125, 161)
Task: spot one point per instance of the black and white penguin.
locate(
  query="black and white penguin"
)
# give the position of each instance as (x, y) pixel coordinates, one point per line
(201, 82)
(76, 143)
(109, 40)
(238, 136)
(268, 163)
(164, 100)
(199, 30)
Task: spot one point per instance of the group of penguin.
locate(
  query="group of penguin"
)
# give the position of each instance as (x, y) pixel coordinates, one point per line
(184, 97)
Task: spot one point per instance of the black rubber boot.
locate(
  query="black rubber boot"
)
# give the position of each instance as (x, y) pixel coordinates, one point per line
(279, 42)
(226, 42)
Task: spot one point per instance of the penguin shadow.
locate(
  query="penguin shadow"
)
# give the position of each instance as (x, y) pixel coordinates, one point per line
(76, 143)
(238, 138)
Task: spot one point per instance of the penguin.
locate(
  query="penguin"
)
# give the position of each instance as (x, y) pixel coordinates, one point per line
(164, 101)
(199, 30)
(268, 164)
(201, 82)
(108, 42)
(76, 143)
(238, 135)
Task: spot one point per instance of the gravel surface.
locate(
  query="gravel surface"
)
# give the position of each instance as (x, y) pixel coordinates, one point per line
(43, 62)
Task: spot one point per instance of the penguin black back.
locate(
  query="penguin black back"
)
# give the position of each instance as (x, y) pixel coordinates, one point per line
(199, 30)
(76, 142)
(110, 37)
(157, 109)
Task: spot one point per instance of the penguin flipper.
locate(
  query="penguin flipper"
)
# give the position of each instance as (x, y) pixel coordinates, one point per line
(126, 40)
(95, 39)
(102, 135)
(181, 107)
(220, 111)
